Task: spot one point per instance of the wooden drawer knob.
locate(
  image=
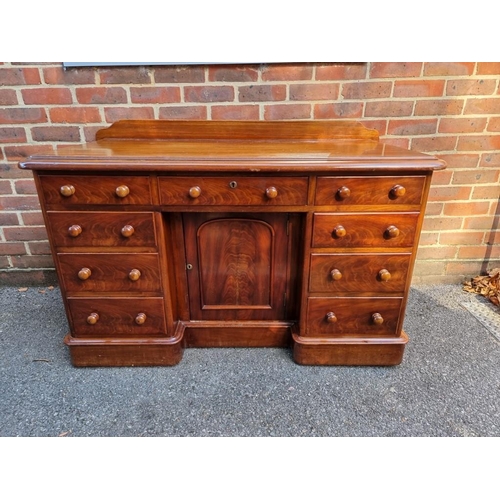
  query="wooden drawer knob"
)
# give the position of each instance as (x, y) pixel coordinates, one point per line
(134, 275)
(127, 231)
(384, 275)
(122, 191)
(392, 232)
(271, 192)
(336, 275)
(92, 318)
(67, 190)
(397, 191)
(84, 273)
(140, 319)
(195, 191)
(74, 230)
(377, 319)
(339, 231)
(343, 192)
(331, 318)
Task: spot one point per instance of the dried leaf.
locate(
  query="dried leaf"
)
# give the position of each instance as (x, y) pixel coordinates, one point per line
(487, 286)
(24, 289)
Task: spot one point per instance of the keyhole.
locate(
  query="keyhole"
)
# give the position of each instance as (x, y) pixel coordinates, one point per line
(189, 267)
(233, 184)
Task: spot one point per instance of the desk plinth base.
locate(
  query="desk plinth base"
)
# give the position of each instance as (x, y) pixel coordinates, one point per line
(349, 352)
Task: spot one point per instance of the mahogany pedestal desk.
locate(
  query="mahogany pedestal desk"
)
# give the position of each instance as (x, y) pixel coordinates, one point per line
(175, 234)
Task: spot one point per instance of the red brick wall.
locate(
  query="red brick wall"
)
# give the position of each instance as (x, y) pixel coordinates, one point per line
(449, 109)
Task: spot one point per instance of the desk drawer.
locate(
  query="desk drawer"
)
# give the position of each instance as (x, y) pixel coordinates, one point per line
(353, 316)
(72, 190)
(117, 317)
(107, 272)
(369, 190)
(102, 229)
(358, 273)
(383, 230)
(236, 190)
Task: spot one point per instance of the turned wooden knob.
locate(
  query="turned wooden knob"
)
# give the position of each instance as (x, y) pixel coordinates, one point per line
(92, 318)
(122, 191)
(134, 275)
(331, 318)
(339, 231)
(74, 230)
(343, 192)
(397, 191)
(335, 274)
(195, 191)
(271, 192)
(127, 231)
(140, 319)
(384, 275)
(84, 273)
(377, 319)
(392, 232)
(67, 190)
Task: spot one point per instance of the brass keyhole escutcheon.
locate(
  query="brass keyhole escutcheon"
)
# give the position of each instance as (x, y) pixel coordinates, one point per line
(233, 184)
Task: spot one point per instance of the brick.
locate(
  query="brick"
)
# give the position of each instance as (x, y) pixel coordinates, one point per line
(140, 74)
(442, 223)
(233, 73)
(450, 193)
(260, 93)
(436, 253)
(183, 113)
(448, 68)
(488, 68)
(434, 208)
(216, 93)
(5, 187)
(249, 112)
(478, 142)
(101, 95)
(461, 238)
(4, 264)
(492, 238)
(21, 233)
(491, 160)
(18, 153)
(395, 69)
(366, 90)
(379, 125)
(486, 192)
(389, 108)
(346, 71)
(287, 111)
(469, 208)
(12, 171)
(464, 160)
(155, 95)
(427, 238)
(33, 262)
(399, 142)
(19, 76)
(9, 248)
(8, 219)
(33, 218)
(418, 88)
(412, 127)
(435, 107)
(8, 97)
(89, 132)
(72, 76)
(482, 222)
(114, 114)
(426, 268)
(39, 247)
(26, 202)
(287, 72)
(471, 87)
(25, 186)
(56, 133)
(483, 106)
(314, 91)
(73, 114)
(338, 110)
(479, 252)
(12, 135)
(464, 268)
(22, 115)
(180, 74)
(475, 176)
(434, 144)
(47, 95)
(462, 125)
(442, 177)
(494, 124)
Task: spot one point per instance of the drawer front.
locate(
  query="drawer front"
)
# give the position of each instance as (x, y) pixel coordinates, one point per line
(72, 190)
(358, 273)
(265, 191)
(117, 317)
(87, 272)
(384, 230)
(369, 190)
(102, 229)
(353, 316)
